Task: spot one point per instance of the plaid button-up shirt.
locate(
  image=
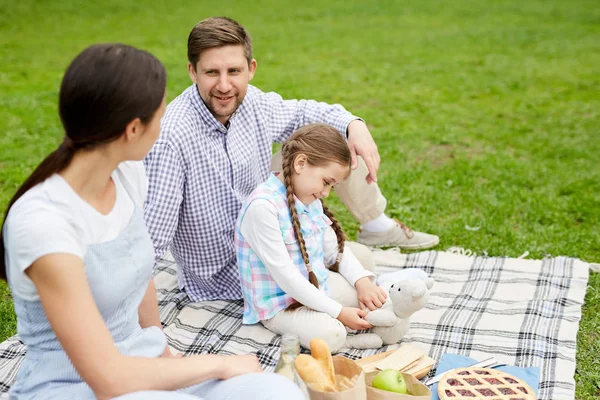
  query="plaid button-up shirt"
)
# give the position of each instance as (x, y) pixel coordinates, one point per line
(200, 172)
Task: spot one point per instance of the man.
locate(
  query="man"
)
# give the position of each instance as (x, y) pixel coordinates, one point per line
(215, 148)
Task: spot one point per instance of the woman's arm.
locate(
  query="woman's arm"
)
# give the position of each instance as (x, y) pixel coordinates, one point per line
(148, 312)
(67, 300)
(148, 309)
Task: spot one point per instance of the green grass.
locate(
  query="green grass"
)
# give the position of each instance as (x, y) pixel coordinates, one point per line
(486, 113)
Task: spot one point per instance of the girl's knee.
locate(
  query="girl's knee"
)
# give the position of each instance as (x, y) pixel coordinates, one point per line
(363, 254)
(334, 335)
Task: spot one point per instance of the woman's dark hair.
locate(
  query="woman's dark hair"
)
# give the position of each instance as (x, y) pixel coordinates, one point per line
(104, 88)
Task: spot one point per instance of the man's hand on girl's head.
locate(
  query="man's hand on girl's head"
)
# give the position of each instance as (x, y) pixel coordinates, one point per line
(361, 143)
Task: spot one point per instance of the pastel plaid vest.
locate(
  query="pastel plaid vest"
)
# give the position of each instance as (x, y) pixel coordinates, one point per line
(263, 298)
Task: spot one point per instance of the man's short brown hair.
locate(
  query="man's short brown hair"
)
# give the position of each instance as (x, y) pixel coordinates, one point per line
(217, 32)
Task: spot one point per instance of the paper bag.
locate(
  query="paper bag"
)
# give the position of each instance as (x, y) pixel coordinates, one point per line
(417, 390)
(346, 367)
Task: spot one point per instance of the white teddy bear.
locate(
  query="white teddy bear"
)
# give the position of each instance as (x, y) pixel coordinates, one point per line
(409, 294)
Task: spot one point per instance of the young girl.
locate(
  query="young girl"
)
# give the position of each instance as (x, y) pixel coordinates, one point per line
(285, 254)
(79, 260)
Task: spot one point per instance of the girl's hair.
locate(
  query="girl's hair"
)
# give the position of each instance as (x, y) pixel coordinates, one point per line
(104, 88)
(321, 144)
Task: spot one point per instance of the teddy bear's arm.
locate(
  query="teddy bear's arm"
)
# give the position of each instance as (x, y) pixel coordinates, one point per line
(382, 317)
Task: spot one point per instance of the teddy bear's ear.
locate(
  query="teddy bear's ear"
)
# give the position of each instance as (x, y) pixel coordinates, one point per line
(429, 282)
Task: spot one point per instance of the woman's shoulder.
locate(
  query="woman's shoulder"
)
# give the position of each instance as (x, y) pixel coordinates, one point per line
(49, 205)
(48, 212)
(45, 220)
(51, 197)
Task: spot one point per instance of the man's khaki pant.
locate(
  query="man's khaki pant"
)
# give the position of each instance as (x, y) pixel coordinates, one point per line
(362, 199)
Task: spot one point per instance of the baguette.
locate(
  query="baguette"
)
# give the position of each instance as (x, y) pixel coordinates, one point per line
(320, 351)
(312, 373)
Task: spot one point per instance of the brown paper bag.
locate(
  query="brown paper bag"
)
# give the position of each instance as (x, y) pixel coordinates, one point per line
(417, 390)
(346, 367)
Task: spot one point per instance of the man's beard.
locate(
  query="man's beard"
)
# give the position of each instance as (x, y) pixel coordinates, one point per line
(216, 114)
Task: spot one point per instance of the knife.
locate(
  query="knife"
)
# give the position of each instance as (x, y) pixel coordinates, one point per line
(482, 364)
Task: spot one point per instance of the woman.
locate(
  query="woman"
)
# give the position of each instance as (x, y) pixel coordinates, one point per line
(78, 258)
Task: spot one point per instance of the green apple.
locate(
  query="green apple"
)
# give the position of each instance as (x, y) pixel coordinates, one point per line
(390, 380)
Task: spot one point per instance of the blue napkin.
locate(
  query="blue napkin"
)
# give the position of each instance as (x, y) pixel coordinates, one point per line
(531, 375)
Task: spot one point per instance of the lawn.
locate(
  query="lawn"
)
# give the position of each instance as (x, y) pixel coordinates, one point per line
(485, 112)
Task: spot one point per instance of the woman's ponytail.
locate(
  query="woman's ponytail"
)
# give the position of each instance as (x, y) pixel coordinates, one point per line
(55, 162)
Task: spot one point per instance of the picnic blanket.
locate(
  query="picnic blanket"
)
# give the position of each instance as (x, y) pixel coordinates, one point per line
(524, 312)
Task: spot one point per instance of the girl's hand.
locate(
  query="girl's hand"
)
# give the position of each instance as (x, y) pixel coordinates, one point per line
(240, 365)
(353, 318)
(370, 296)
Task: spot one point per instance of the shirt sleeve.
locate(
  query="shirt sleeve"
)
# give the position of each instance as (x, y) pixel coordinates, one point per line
(260, 228)
(286, 116)
(34, 230)
(350, 268)
(166, 181)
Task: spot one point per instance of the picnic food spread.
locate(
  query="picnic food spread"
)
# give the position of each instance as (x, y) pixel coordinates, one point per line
(483, 384)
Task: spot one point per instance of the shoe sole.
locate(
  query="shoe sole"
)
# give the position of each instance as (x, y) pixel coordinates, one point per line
(421, 246)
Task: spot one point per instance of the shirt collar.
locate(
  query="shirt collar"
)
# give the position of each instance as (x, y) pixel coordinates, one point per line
(204, 112)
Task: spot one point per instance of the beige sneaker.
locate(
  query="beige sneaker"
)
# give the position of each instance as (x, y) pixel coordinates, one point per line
(399, 236)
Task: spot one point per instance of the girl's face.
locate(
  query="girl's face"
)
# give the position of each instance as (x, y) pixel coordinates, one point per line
(312, 182)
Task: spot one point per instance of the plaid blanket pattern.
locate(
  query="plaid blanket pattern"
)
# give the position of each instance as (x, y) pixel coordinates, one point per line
(524, 312)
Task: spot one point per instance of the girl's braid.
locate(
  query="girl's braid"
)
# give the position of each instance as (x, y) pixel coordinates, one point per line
(341, 238)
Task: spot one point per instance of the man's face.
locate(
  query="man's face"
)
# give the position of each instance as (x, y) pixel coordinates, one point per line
(222, 75)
